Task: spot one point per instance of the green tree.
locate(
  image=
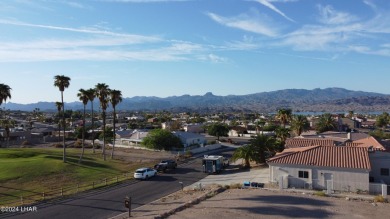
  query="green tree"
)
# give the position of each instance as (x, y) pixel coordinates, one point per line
(246, 152)
(5, 93)
(62, 82)
(106, 135)
(218, 129)
(262, 144)
(91, 93)
(102, 92)
(256, 150)
(115, 99)
(284, 116)
(161, 139)
(325, 123)
(299, 124)
(259, 125)
(382, 120)
(282, 133)
(83, 97)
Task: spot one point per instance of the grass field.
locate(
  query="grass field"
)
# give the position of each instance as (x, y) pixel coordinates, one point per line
(32, 172)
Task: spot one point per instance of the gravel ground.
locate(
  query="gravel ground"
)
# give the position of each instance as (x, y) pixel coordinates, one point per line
(260, 203)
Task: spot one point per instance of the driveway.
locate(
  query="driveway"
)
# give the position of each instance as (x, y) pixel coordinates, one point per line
(233, 174)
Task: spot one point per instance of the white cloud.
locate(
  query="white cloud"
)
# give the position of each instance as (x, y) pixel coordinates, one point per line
(254, 23)
(267, 3)
(328, 15)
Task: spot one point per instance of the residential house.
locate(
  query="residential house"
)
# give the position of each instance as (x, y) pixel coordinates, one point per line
(369, 142)
(322, 167)
(237, 131)
(194, 128)
(345, 124)
(189, 139)
(380, 164)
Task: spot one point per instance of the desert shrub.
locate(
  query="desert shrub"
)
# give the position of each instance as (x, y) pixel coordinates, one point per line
(25, 143)
(235, 186)
(78, 143)
(379, 198)
(57, 145)
(320, 193)
(188, 154)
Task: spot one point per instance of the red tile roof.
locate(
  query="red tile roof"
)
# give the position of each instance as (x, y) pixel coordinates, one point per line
(367, 142)
(326, 156)
(304, 142)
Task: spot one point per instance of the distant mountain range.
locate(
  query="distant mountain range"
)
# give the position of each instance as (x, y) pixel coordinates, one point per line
(317, 100)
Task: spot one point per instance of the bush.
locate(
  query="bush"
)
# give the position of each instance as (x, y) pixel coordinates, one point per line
(25, 143)
(57, 145)
(78, 143)
(320, 193)
(379, 198)
(188, 154)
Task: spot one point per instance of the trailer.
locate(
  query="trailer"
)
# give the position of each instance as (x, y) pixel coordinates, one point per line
(214, 163)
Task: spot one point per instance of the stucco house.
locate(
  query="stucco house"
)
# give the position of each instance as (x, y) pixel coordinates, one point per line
(190, 139)
(337, 168)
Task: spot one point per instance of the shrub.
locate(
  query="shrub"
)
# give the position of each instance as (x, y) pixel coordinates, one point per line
(188, 154)
(78, 143)
(25, 143)
(379, 198)
(320, 193)
(57, 145)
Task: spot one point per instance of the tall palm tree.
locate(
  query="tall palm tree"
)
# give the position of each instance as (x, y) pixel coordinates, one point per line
(5, 93)
(91, 93)
(102, 92)
(115, 98)
(299, 124)
(83, 97)
(59, 108)
(282, 134)
(62, 82)
(284, 116)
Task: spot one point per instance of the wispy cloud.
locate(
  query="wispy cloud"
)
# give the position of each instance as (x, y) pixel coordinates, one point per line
(253, 23)
(328, 15)
(130, 37)
(268, 4)
(144, 1)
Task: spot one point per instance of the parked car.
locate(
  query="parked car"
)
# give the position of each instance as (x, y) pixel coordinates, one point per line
(144, 173)
(165, 165)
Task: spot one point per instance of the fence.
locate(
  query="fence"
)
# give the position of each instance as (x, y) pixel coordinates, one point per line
(30, 197)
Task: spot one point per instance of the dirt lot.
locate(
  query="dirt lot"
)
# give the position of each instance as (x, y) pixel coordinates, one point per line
(259, 203)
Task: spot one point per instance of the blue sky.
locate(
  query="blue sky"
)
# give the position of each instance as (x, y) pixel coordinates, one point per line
(175, 47)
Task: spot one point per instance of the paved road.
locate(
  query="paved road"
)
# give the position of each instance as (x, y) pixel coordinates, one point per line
(105, 203)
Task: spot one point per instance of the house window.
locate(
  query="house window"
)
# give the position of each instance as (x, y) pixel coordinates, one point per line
(303, 174)
(384, 171)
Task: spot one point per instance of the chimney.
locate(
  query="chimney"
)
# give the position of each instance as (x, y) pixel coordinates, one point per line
(349, 135)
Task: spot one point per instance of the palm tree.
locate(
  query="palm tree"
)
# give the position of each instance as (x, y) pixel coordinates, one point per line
(299, 124)
(91, 93)
(5, 93)
(83, 97)
(325, 123)
(282, 134)
(259, 125)
(62, 82)
(115, 98)
(284, 115)
(102, 92)
(59, 108)
(261, 145)
(246, 153)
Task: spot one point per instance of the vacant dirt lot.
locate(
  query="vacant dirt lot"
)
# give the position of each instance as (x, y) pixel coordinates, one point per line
(259, 203)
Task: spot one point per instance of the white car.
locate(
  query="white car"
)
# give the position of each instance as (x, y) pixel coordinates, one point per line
(144, 173)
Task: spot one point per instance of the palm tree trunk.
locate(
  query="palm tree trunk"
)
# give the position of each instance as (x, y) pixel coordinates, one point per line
(113, 142)
(104, 135)
(93, 129)
(63, 122)
(83, 136)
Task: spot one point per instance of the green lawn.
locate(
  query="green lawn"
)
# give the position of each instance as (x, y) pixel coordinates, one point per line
(31, 172)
